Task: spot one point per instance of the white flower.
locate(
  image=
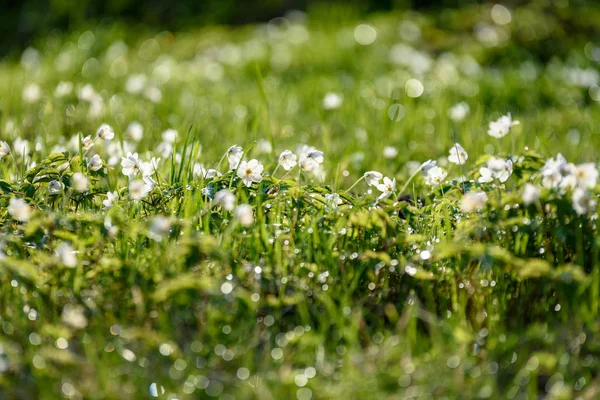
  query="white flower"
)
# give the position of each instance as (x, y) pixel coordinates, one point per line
(426, 167)
(552, 171)
(458, 155)
(169, 136)
(244, 214)
(287, 160)
(32, 93)
(109, 202)
(386, 188)
(225, 199)
(4, 149)
(501, 127)
(390, 152)
(55, 187)
(19, 209)
(87, 142)
(95, 163)
(373, 177)
(131, 165)
(160, 227)
(531, 194)
(105, 132)
(435, 176)
(333, 200)
(66, 255)
(332, 101)
(136, 131)
(459, 111)
(149, 168)
(234, 156)
(496, 168)
(250, 171)
(138, 190)
(211, 173)
(63, 89)
(586, 175)
(80, 182)
(312, 160)
(150, 183)
(74, 316)
(473, 201)
(264, 146)
(582, 201)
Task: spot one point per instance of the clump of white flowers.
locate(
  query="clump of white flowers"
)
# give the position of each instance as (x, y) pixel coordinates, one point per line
(458, 154)
(496, 168)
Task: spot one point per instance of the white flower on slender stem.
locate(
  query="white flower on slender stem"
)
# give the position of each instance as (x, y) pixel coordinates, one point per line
(287, 160)
(138, 190)
(333, 200)
(80, 182)
(244, 215)
(501, 127)
(105, 132)
(473, 201)
(373, 177)
(19, 209)
(331, 101)
(66, 255)
(111, 198)
(4, 149)
(427, 166)
(234, 156)
(435, 176)
(312, 161)
(531, 194)
(458, 155)
(136, 131)
(55, 187)
(386, 188)
(131, 165)
(225, 199)
(250, 171)
(95, 163)
(87, 142)
(486, 175)
(583, 202)
(160, 227)
(150, 167)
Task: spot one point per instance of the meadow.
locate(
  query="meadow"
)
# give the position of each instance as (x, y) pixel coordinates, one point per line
(328, 205)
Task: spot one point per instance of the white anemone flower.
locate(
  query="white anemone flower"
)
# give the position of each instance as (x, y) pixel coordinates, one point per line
(105, 132)
(136, 131)
(473, 201)
(386, 188)
(583, 202)
(80, 182)
(234, 156)
(111, 198)
(312, 161)
(66, 255)
(225, 199)
(87, 142)
(244, 214)
(486, 175)
(333, 200)
(4, 149)
(458, 155)
(138, 190)
(531, 194)
(169, 136)
(501, 169)
(501, 127)
(373, 177)
(131, 165)
(586, 175)
(459, 111)
(95, 163)
(435, 176)
(19, 209)
(55, 187)
(288, 160)
(331, 101)
(250, 172)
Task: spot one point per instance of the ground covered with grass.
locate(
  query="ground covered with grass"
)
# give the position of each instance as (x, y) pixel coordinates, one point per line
(324, 206)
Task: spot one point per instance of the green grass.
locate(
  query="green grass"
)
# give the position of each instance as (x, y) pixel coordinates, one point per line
(403, 297)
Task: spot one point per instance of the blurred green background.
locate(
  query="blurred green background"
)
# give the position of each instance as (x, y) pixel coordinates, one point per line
(21, 22)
